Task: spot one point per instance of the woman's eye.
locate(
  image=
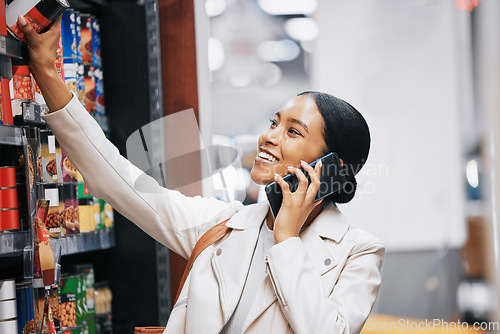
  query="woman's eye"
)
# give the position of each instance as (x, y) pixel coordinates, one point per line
(272, 123)
(295, 132)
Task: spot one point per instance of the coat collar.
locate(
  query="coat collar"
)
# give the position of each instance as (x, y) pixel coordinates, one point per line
(330, 223)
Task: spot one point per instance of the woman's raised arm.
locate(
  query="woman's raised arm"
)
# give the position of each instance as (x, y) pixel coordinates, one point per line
(168, 216)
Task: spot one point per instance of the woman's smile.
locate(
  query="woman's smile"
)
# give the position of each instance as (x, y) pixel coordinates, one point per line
(295, 133)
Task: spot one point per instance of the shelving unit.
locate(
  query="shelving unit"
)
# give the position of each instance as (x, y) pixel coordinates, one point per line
(10, 47)
(14, 243)
(11, 135)
(87, 242)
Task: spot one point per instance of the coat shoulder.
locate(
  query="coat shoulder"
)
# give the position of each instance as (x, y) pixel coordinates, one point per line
(363, 240)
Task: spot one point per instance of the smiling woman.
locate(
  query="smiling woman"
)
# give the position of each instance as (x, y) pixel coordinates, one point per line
(305, 271)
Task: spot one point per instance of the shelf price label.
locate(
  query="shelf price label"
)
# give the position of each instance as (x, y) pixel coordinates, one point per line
(3, 45)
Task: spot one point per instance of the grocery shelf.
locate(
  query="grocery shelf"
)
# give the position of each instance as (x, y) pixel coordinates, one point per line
(11, 135)
(86, 242)
(10, 46)
(13, 243)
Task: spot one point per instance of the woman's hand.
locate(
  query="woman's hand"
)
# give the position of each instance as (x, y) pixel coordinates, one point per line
(42, 51)
(42, 47)
(296, 206)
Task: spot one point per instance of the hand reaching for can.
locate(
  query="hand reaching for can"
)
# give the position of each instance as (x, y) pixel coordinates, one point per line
(42, 51)
(42, 47)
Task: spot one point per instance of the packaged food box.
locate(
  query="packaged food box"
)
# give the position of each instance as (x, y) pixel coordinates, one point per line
(54, 193)
(51, 158)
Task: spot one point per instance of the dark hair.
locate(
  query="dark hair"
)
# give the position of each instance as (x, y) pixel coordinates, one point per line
(345, 133)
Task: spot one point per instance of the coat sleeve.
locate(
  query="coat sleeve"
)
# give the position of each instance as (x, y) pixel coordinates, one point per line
(171, 218)
(303, 299)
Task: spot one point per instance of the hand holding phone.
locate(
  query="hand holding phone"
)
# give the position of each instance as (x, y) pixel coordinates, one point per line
(331, 180)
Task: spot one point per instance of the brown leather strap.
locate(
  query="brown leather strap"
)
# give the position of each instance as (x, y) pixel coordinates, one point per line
(149, 330)
(210, 236)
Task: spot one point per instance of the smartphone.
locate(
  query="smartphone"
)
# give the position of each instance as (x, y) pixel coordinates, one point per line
(332, 179)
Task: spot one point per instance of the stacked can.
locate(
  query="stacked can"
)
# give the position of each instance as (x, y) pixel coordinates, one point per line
(6, 116)
(40, 14)
(9, 211)
(8, 307)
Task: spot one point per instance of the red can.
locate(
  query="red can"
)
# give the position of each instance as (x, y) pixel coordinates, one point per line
(9, 219)
(8, 198)
(7, 177)
(22, 85)
(6, 105)
(40, 14)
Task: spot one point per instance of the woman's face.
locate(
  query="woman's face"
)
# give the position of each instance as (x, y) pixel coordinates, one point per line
(295, 133)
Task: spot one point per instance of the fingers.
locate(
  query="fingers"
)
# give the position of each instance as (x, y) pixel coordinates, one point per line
(314, 174)
(26, 28)
(285, 187)
(303, 182)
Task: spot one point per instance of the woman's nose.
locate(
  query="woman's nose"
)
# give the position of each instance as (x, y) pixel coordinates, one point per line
(272, 136)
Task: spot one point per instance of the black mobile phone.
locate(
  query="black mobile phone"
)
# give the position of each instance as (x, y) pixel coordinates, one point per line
(332, 179)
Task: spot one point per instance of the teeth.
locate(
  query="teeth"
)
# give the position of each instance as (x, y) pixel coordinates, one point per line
(266, 156)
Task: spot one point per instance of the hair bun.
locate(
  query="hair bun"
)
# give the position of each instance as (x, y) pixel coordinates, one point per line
(345, 194)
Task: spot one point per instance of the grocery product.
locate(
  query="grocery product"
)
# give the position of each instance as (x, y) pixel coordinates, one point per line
(40, 14)
(70, 214)
(68, 290)
(54, 193)
(51, 157)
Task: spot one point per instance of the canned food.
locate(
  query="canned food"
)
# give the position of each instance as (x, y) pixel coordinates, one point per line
(21, 84)
(7, 289)
(40, 14)
(9, 219)
(8, 326)
(6, 109)
(7, 176)
(8, 309)
(8, 198)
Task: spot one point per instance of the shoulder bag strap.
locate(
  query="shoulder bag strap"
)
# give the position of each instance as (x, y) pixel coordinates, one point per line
(212, 235)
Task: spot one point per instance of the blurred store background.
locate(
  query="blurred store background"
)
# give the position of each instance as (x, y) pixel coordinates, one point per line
(425, 74)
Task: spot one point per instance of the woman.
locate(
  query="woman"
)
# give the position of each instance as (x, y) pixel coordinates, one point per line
(306, 271)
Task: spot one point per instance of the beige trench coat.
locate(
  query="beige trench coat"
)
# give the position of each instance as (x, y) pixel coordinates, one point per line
(326, 281)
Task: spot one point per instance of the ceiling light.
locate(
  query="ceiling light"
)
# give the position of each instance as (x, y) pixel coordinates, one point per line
(288, 7)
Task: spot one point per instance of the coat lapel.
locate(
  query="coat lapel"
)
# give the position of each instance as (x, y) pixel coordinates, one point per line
(234, 254)
(330, 224)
